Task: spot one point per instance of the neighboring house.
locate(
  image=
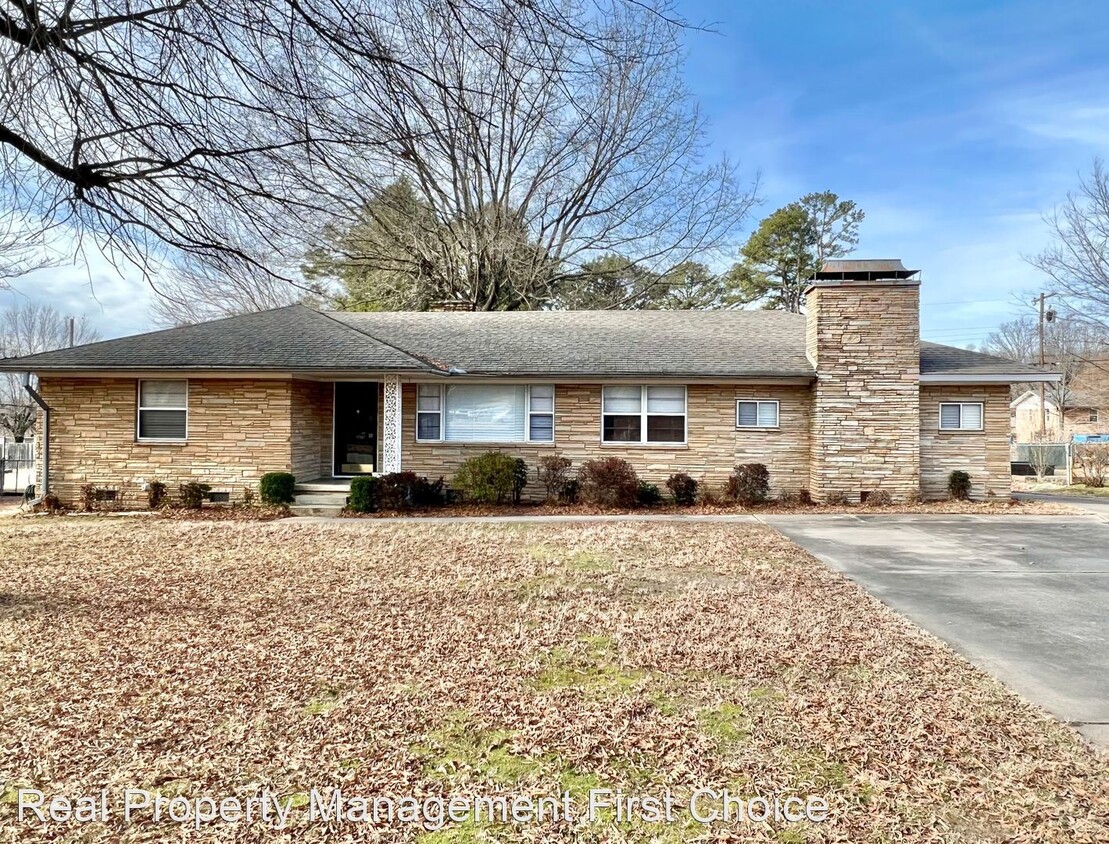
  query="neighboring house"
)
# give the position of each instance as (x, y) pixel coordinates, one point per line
(1086, 415)
(844, 399)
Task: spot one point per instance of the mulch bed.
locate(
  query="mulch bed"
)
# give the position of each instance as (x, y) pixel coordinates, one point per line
(1007, 506)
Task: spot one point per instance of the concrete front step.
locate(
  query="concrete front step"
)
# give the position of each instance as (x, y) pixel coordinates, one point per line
(315, 510)
(335, 499)
(337, 485)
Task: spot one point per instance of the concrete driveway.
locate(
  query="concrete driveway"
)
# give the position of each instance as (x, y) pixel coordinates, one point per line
(1023, 597)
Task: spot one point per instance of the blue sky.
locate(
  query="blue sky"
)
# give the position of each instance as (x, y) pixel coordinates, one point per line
(955, 125)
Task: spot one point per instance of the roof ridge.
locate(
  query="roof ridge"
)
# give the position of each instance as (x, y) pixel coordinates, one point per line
(416, 358)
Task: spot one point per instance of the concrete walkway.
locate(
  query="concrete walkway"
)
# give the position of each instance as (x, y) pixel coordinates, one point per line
(1023, 597)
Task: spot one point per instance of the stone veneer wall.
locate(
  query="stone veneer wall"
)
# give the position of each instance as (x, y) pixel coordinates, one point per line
(983, 454)
(237, 430)
(714, 444)
(864, 339)
(311, 405)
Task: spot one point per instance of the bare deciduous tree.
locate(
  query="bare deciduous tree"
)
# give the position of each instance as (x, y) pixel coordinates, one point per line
(24, 330)
(1071, 347)
(169, 127)
(1077, 261)
(520, 164)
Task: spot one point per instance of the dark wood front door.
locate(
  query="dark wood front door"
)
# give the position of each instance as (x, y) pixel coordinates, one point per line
(355, 427)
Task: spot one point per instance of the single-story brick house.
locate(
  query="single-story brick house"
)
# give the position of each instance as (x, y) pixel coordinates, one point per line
(845, 398)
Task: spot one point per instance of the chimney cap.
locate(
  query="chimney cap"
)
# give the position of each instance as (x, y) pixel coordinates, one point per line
(869, 269)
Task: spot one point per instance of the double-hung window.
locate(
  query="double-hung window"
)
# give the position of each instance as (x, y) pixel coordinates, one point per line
(485, 413)
(961, 416)
(642, 414)
(756, 413)
(163, 410)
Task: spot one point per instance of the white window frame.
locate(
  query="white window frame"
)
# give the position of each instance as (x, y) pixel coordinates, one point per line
(531, 413)
(643, 414)
(442, 388)
(961, 404)
(438, 388)
(777, 414)
(139, 409)
(1095, 415)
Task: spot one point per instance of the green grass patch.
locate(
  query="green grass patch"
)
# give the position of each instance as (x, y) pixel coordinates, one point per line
(322, 703)
(590, 667)
(727, 724)
(457, 752)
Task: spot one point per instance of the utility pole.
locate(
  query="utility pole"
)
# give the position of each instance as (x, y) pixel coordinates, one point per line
(1043, 385)
(1045, 316)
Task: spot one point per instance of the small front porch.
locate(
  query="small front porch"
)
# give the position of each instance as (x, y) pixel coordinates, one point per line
(343, 428)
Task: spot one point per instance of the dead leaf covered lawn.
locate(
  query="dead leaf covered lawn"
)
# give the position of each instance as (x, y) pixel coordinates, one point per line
(228, 659)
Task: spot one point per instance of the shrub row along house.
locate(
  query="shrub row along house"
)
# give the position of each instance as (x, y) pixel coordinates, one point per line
(843, 400)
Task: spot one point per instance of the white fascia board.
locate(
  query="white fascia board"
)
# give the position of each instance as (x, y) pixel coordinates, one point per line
(992, 378)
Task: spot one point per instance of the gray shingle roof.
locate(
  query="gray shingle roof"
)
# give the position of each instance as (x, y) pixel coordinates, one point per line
(949, 360)
(605, 343)
(292, 338)
(696, 344)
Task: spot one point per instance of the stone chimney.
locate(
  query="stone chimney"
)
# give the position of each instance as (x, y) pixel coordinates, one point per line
(863, 338)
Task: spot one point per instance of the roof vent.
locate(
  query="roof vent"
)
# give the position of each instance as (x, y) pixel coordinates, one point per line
(871, 269)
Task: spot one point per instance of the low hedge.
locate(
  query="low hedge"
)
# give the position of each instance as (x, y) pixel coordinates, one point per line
(276, 488)
(491, 478)
(363, 494)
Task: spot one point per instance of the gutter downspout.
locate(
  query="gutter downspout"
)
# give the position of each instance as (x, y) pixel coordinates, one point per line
(33, 393)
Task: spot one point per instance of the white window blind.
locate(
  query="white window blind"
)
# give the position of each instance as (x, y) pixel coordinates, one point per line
(756, 414)
(961, 416)
(163, 410)
(643, 414)
(541, 413)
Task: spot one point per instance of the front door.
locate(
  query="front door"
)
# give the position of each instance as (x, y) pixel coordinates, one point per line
(355, 427)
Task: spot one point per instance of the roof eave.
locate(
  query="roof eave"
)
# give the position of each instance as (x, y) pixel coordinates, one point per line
(988, 377)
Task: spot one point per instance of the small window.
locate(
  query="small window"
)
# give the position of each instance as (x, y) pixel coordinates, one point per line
(541, 413)
(755, 413)
(961, 416)
(219, 497)
(429, 412)
(163, 410)
(643, 414)
(1093, 415)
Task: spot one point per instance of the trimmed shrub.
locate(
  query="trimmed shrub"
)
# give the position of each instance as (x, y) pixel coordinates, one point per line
(402, 490)
(683, 488)
(647, 495)
(519, 479)
(50, 503)
(429, 493)
(878, 498)
(489, 478)
(958, 485)
(836, 498)
(608, 482)
(363, 494)
(277, 488)
(570, 492)
(155, 494)
(749, 483)
(193, 494)
(553, 471)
